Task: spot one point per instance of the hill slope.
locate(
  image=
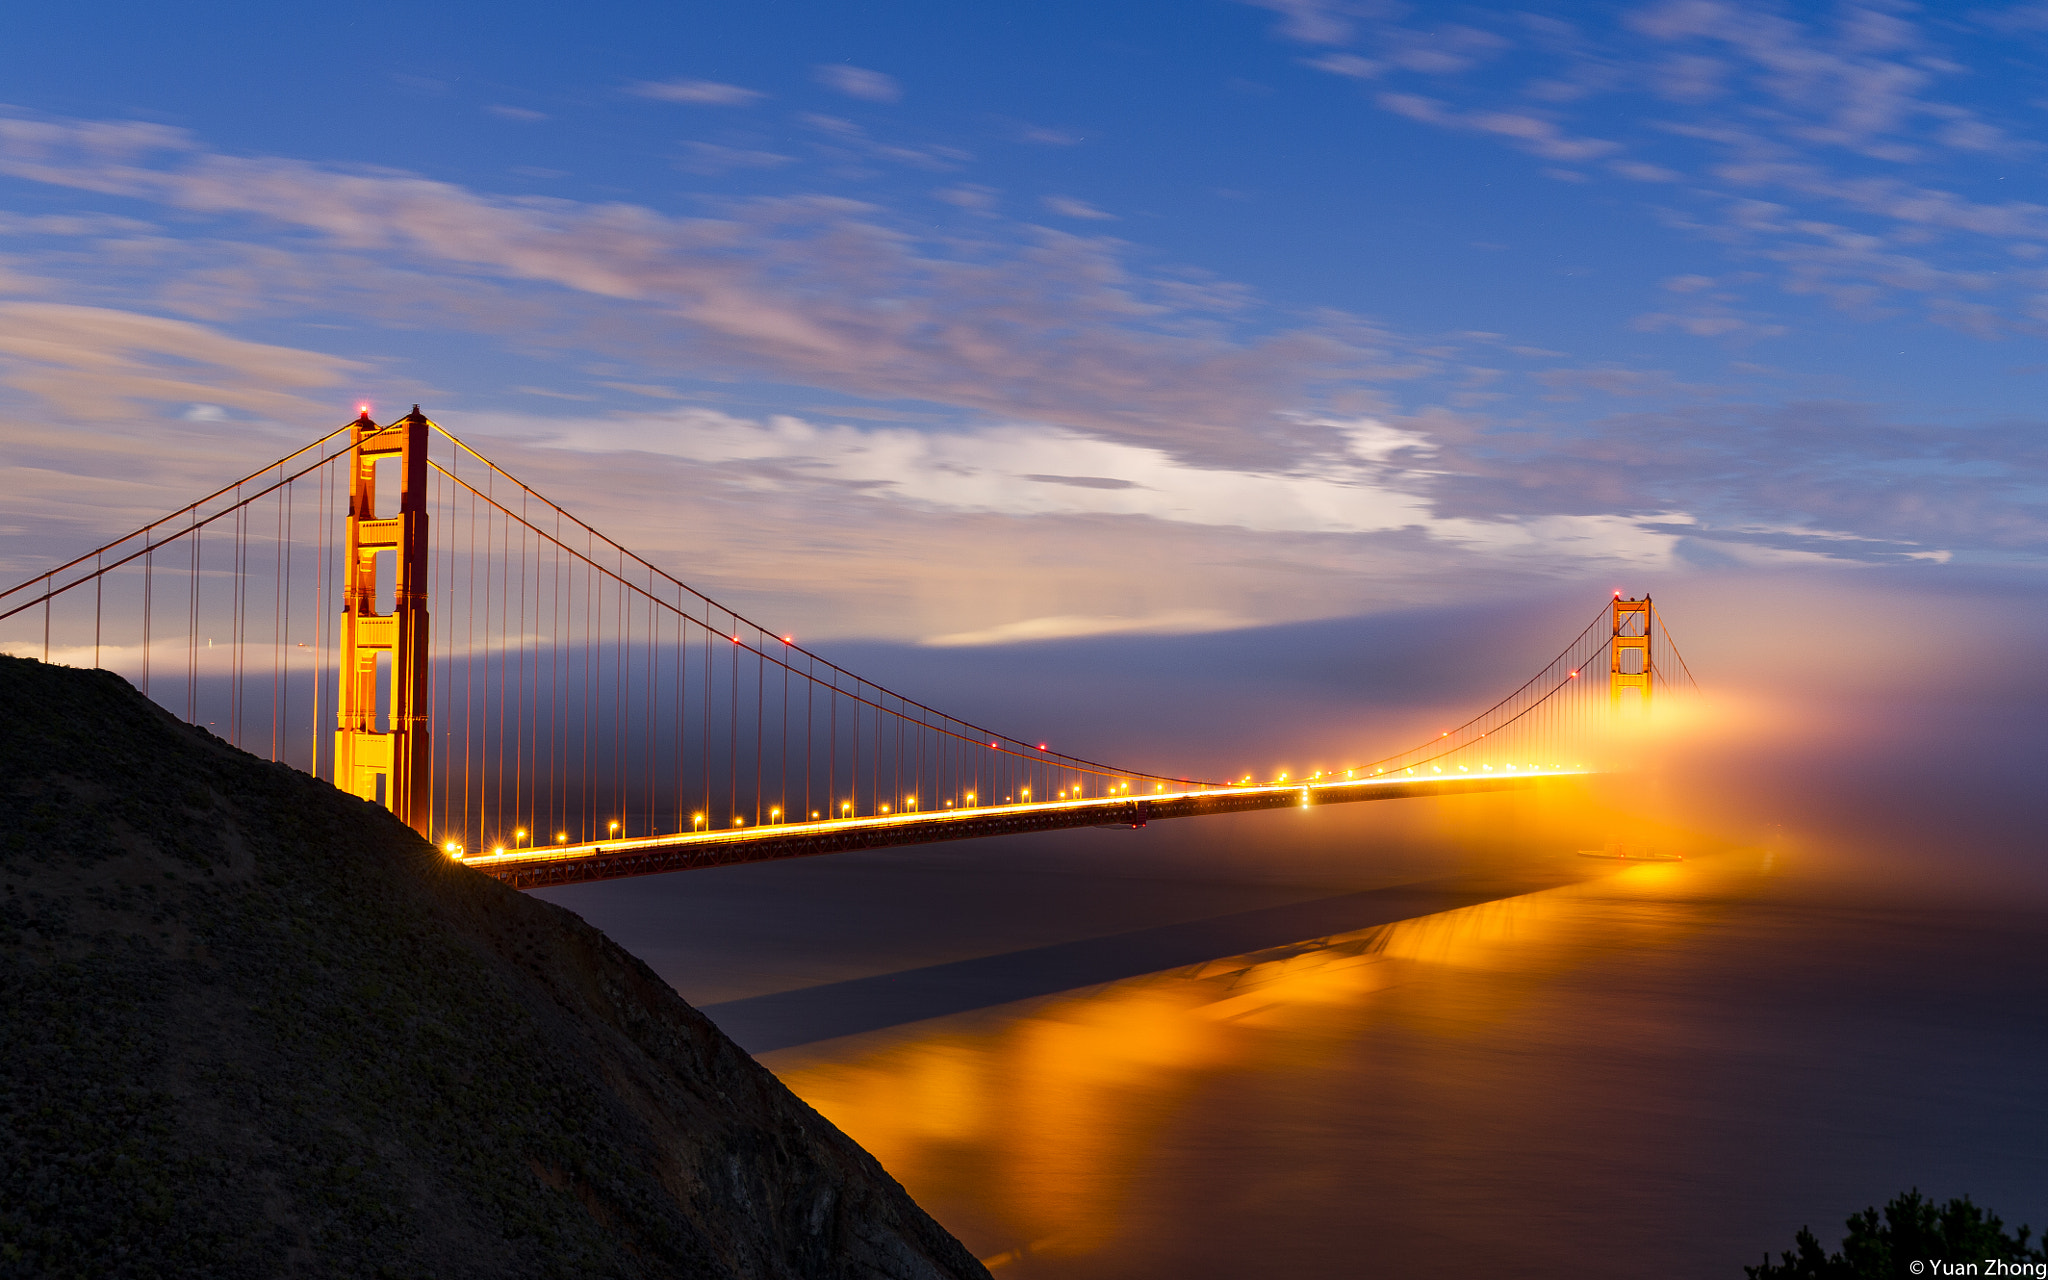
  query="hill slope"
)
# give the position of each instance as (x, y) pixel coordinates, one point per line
(250, 1026)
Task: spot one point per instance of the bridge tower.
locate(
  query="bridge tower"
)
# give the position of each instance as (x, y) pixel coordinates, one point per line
(387, 766)
(1632, 620)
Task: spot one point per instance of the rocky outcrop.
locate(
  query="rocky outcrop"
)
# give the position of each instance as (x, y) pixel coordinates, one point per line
(250, 1026)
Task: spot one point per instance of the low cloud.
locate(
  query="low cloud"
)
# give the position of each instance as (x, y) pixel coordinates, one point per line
(1070, 626)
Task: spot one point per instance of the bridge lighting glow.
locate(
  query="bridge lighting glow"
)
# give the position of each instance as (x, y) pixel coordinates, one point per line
(775, 813)
(970, 795)
(696, 820)
(885, 808)
(615, 826)
(1041, 746)
(789, 639)
(738, 821)
(1027, 793)
(846, 806)
(498, 850)
(814, 813)
(561, 837)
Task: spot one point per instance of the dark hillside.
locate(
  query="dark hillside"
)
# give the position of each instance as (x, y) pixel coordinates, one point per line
(250, 1026)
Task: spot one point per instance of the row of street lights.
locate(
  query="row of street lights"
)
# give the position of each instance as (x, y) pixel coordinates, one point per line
(699, 822)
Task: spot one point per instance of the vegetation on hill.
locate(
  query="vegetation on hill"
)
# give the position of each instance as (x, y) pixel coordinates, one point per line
(1909, 1238)
(250, 1026)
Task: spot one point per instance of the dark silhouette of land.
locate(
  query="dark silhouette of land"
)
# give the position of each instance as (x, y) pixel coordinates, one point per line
(251, 1026)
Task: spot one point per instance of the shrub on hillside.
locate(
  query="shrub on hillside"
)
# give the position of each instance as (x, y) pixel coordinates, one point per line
(1913, 1236)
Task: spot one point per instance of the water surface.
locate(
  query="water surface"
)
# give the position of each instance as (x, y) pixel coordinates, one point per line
(1537, 1066)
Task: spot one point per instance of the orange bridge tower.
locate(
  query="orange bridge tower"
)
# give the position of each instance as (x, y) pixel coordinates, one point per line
(1629, 652)
(384, 655)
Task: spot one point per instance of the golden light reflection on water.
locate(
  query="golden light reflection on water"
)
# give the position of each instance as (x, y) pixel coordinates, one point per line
(1026, 1129)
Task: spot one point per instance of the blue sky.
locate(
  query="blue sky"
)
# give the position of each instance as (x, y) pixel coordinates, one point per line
(1330, 306)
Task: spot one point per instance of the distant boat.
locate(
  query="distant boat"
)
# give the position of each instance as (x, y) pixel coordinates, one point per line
(1621, 852)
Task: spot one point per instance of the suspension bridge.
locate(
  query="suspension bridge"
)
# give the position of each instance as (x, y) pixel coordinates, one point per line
(390, 610)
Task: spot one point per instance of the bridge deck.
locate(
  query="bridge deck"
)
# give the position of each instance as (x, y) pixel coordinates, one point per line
(652, 855)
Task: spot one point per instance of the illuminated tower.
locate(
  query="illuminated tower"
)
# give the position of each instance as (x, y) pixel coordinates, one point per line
(1631, 636)
(384, 655)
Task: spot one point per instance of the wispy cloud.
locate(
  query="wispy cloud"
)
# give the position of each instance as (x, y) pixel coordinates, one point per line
(1069, 207)
(697, 93)
(859, 82)
(1836, 478)
(1168, 401)
(95, 363)
(710, 157)
(1859, 122)
(820, 291)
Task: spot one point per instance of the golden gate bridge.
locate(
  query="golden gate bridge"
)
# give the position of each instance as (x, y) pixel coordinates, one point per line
(389, 609)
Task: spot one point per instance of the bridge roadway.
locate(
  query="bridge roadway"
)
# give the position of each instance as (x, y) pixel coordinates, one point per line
(652, 855)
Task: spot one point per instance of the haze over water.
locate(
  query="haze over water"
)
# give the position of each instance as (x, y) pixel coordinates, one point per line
(1387, 1038)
